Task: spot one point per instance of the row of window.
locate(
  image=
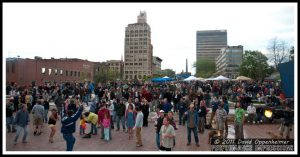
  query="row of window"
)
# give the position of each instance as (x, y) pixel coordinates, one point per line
(133, 64)
(140, 51)
(136, 43)
(12, 67)
(136, 35)
(60, 72)
(135, 76)
(136, 39)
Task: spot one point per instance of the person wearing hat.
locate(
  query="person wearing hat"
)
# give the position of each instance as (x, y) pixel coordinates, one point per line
(52, 122)
(158, 124)
(192, 123)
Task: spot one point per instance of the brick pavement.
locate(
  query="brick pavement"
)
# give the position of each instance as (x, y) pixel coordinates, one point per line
(120, 140)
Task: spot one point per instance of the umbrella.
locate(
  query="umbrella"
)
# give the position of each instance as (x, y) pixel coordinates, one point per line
(243, 78)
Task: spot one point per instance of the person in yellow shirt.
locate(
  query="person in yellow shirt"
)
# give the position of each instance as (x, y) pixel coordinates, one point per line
(92, 118)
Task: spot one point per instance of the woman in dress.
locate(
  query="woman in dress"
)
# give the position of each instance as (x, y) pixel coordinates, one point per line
(130, 119)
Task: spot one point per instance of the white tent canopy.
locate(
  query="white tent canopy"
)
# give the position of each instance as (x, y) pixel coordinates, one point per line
(222, 78)
(210, 79)
(200, 78)
(243, 78)
(191, 78)
(219, 78)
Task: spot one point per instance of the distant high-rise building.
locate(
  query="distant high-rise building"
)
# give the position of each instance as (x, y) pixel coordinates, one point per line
(138, 49)
(156, 65)
(209, 43)
(229, 61)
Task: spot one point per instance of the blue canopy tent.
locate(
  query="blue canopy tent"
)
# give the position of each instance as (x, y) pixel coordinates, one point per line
(158, 79)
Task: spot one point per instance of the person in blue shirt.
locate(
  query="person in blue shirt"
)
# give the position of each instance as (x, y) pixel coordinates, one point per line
(68, 126)
(215, 103)
(166, 106)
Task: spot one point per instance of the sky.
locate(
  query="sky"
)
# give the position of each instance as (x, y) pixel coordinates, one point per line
(96, 31)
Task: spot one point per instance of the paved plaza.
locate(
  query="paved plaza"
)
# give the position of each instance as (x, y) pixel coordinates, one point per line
(120, 141)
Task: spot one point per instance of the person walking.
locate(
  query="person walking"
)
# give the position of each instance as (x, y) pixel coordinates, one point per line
(68, 126)
(21, 121)
(138, 126)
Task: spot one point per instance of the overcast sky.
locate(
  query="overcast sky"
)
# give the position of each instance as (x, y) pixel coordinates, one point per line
(96, 31)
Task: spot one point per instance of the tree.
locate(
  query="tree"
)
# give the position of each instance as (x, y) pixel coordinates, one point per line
(107, 75)
(255, 65)
(278, 51)
(292, 53)
(204, 67)
(168, 72)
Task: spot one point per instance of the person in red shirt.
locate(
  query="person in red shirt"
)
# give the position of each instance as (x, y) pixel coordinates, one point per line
(103, 110)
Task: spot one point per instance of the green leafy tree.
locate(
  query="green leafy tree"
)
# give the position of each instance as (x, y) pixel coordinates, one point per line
(107, 75)
(204, 67)
(255, 65)
(168, 72)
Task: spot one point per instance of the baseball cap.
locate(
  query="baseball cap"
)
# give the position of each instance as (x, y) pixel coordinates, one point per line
(162, 111)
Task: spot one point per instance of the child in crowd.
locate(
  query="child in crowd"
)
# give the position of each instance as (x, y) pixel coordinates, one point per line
(106, 125)
(82, 125)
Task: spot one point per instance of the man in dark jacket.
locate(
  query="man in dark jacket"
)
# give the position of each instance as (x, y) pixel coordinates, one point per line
(68, 127)
(158, 124)
(120, 110)
(182, 109)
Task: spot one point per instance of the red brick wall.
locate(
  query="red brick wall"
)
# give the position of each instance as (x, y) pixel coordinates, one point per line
(28, 70)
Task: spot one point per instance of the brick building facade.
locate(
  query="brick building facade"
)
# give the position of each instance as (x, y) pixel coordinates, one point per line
(25, 71)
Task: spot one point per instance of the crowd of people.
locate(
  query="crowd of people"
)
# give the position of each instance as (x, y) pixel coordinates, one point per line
(130, 103)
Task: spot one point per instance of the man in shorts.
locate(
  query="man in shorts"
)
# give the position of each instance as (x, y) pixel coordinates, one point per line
(38, 114)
